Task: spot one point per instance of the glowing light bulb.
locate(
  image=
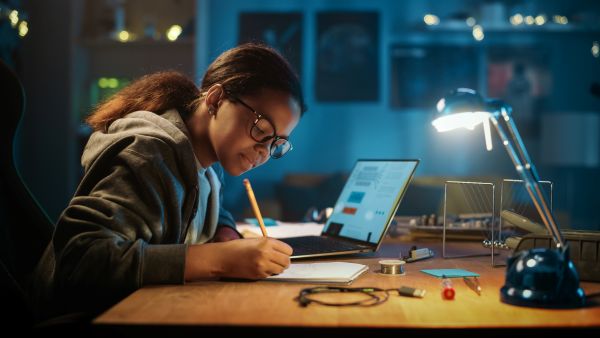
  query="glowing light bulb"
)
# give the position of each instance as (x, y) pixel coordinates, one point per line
(113, 83)
(124, 36)
(516, 19)
(13, 16)
(173, 32)
(529, 20)
(478, 33)
(431, 20)
(103, 82)
(23, 28)
(540, 19)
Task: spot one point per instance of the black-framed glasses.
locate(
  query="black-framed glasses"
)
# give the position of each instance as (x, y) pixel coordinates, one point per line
(263, 130)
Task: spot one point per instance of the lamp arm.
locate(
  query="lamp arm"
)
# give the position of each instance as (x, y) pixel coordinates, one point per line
(526, 169)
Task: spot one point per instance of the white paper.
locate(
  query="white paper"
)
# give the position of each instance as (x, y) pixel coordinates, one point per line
(327, 272)
(283, 229)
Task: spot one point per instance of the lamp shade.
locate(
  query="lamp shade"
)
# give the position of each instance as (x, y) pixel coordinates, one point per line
(461, 100)
(464, 108)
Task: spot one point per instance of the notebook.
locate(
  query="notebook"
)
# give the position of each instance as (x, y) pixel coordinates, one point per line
(363, 212)
(328, 272)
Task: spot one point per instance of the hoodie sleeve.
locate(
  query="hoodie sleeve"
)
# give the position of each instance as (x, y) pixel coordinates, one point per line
(121, 228)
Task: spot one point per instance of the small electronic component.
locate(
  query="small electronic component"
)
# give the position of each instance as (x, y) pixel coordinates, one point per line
(447, 289)
(473, 284)
(417, 254)
(392, 267)
(411, 292)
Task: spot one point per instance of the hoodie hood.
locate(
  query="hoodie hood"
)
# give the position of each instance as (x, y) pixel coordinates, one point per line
(167, 127)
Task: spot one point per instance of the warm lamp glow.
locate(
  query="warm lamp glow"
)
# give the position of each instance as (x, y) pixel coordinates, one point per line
(555, 281)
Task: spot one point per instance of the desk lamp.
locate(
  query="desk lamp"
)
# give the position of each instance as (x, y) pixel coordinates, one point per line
(538, 277)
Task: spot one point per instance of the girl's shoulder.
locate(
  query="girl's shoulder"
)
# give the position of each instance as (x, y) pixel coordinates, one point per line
(145, 137)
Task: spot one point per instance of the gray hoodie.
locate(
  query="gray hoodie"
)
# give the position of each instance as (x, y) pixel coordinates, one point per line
(126, 225)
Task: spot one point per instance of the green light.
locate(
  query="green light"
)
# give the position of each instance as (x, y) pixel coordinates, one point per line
(113, 82)
(103, 82)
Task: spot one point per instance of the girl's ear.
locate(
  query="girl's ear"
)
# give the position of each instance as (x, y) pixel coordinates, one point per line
(214, 95)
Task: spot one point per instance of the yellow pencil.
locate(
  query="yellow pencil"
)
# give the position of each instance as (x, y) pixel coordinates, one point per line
(255, 207)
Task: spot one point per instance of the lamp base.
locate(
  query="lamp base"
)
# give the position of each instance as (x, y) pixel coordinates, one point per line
(542, 278)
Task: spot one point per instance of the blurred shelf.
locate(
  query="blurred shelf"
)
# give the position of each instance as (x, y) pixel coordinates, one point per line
(508, 28)
(462, 34)
(108, 57)
(139, 43)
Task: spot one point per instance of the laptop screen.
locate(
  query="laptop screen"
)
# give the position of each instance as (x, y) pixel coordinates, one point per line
(370, 198)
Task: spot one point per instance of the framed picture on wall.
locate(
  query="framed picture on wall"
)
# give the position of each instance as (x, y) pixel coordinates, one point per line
(281, 30)
(422, 74)
(347, 56)
(521, 76)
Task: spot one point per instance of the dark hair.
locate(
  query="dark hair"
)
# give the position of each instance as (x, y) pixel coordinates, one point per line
(243, 70)
(248, 68)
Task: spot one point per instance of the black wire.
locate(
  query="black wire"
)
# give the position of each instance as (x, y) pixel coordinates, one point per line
(374, 299)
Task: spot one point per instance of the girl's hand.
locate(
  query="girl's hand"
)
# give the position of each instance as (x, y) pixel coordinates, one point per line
(254, 258)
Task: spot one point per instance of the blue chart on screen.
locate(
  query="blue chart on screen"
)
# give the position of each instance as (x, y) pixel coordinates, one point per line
(356, 197)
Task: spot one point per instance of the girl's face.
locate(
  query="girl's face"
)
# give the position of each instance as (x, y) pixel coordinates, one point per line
(232, 123)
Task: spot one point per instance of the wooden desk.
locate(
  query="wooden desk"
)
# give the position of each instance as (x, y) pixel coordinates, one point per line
(271, 304)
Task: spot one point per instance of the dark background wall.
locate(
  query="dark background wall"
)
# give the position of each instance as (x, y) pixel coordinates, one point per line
(46, 149)
(55, 61)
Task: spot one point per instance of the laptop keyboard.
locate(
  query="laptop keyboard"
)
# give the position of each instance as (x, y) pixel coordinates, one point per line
(315, 244)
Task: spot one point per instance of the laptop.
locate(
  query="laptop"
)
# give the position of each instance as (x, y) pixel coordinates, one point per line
(363, 212)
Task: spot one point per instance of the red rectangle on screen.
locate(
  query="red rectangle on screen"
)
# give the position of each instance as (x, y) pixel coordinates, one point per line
(349, 211)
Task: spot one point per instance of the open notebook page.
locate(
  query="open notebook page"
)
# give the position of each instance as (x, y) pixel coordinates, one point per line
(326, 272)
